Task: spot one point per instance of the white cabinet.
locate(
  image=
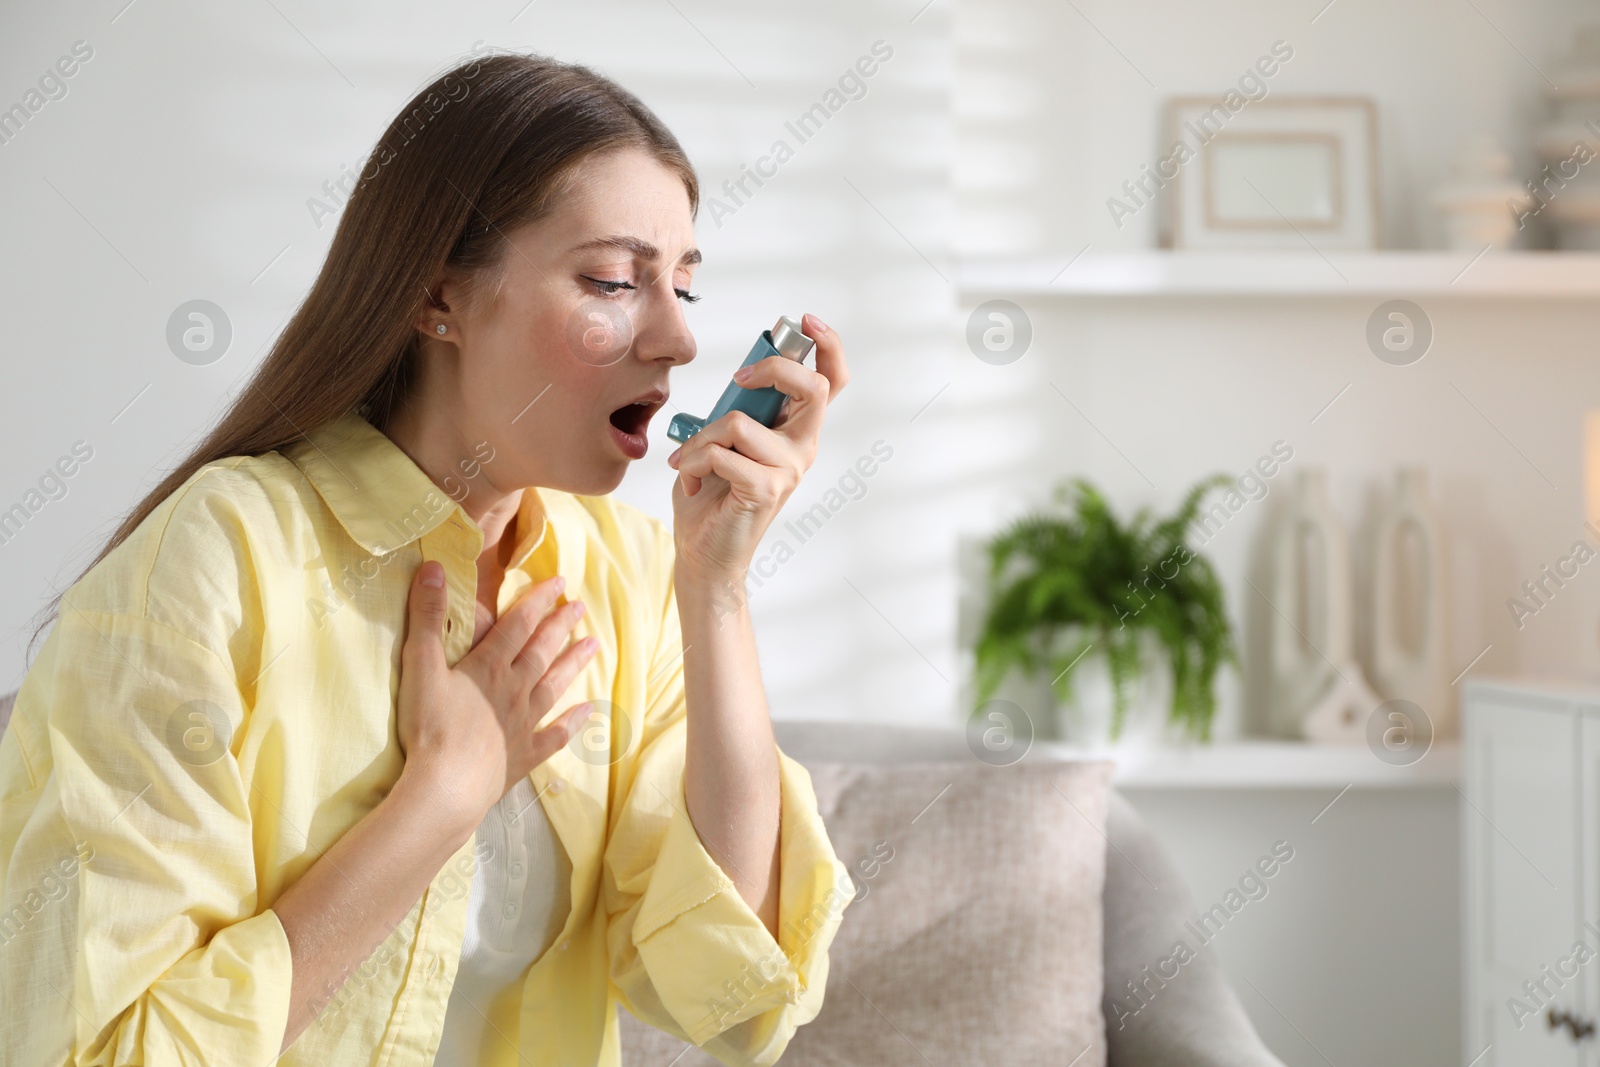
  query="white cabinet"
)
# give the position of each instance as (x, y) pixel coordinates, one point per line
(1530, 824)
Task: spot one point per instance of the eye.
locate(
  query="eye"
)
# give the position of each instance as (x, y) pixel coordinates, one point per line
(611, 288)
(607, 288)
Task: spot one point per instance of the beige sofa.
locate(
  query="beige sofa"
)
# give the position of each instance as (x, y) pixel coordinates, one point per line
(955, 996)
(1006, 908)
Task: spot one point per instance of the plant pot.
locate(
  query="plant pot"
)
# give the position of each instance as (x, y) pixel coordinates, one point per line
(1079, 580)
(1026, 702)
(1085, 720)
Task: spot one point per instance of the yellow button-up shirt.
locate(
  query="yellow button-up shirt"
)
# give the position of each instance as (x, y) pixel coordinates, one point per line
(215, 707)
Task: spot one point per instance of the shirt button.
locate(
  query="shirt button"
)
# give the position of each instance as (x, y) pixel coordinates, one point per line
(516, 870)
(511, 909)
(558, 786)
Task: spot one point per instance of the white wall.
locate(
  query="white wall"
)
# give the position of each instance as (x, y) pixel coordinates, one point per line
(179, 165)
(180, 162)
(1184, 388)
(1053, 116)
(1058, 103)
(1360, 950)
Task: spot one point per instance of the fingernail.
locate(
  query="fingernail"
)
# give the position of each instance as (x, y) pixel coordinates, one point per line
(676, 452)
(742, 373)
(590, 644)
(577, 608)
(818, 323)
(433, 577)
(560, 583)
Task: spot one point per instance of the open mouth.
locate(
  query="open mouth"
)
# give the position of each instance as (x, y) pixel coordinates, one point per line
(629, 422)
(633, 418)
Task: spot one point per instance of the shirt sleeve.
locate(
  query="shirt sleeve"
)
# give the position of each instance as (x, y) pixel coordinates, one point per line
(164, 956)
(688, 954)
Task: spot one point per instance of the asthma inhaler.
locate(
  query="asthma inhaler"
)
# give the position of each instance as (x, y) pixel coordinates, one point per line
(763, 404)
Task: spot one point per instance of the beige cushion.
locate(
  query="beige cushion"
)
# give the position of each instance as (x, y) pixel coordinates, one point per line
(975, 937)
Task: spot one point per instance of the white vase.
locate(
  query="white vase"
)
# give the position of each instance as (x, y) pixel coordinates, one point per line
(1412, 666)
(1476, 205)
(1310, 616)
(1567, 185)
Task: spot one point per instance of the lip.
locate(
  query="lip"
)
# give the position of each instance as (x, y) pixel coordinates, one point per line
(633, 445)
(653, 398)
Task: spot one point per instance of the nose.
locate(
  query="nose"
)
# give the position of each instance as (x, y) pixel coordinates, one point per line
(661, 334)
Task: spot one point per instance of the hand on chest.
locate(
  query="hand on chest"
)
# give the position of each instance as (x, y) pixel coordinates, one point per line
(483, 617)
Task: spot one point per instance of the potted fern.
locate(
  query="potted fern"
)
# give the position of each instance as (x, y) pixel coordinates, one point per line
(1063, 586)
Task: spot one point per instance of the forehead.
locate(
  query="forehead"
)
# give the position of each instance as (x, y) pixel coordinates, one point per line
(624, 192)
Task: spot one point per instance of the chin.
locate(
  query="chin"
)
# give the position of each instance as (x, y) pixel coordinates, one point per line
(595, 479)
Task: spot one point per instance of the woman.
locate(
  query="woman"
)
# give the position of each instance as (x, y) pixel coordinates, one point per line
(304, 764)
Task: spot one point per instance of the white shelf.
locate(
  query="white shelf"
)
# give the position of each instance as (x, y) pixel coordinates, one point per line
(1395, 274)
(1268, 765)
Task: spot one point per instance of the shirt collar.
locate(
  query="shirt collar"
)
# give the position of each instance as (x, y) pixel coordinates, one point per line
(385, 501)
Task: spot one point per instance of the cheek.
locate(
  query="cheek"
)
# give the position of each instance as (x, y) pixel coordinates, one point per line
(520, 360)
(570, 392)
(581, 376)
(530, 355)
(577, 393)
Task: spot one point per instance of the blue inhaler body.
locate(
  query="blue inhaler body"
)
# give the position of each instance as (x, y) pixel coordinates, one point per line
(763, 404)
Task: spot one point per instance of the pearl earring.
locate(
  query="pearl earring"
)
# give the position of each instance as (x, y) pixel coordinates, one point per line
(440, 327)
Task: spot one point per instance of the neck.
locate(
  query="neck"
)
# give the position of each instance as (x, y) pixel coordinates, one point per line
(436, 445)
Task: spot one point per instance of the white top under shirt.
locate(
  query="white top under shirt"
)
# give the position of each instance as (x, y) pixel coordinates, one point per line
(520, 897)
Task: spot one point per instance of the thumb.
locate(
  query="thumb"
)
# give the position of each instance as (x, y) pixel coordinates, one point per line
(428, 606)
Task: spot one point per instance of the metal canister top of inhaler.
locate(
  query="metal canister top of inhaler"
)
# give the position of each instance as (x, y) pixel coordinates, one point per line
(789, 341)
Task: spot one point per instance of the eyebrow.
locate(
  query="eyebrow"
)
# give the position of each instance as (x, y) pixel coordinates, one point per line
(637, 246)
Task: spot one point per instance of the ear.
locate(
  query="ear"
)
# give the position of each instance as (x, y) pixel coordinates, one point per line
(435, 311)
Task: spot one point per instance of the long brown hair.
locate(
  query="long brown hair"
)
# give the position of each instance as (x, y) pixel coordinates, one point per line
(487, 147)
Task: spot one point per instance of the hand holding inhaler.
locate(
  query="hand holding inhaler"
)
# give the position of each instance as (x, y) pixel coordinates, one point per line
(739, 465)
(762, 404)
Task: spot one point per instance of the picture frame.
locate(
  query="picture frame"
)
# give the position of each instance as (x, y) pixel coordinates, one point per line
(1281, 172)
